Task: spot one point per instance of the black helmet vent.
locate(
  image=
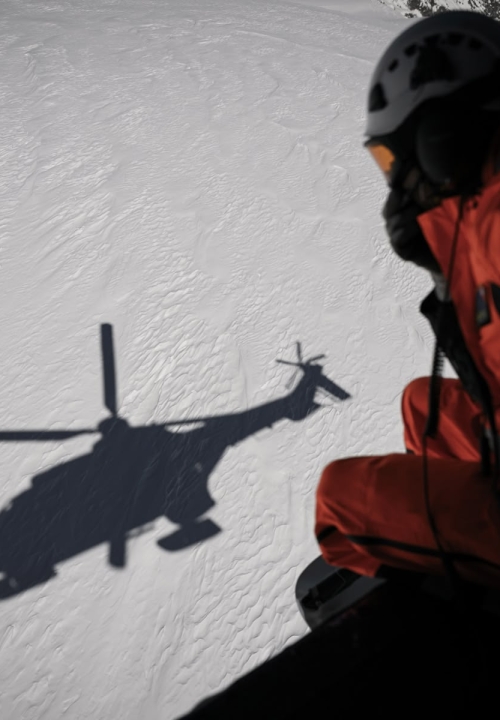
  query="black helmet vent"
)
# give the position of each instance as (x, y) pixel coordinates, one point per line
(377, 99)
(432, 64)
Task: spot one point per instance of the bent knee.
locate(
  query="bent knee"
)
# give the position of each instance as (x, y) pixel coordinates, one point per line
(341, 481)
(416, 393)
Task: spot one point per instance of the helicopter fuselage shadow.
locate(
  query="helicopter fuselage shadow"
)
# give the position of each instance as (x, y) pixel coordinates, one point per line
(132, 477)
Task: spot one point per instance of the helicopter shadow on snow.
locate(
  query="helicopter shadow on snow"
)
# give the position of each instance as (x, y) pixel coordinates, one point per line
(132, 476)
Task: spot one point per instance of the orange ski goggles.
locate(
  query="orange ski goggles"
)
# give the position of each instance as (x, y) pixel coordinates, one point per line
(383, 156)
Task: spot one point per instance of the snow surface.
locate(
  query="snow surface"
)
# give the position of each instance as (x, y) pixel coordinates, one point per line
(191, 172)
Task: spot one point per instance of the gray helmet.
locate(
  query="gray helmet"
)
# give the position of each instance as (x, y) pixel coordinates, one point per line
(434, 58)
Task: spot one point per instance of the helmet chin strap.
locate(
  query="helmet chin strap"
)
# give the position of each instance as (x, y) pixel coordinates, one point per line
(410, 177)
(428, 193)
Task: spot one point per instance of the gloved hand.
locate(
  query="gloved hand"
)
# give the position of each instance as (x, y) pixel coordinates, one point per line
(400, 214)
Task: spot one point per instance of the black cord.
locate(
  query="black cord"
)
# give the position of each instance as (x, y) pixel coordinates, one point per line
(448, 564)
(432, 423)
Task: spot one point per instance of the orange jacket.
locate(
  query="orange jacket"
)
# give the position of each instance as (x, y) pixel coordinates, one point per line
(475, 281)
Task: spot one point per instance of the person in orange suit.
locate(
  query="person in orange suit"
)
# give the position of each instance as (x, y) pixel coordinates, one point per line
(434, 129)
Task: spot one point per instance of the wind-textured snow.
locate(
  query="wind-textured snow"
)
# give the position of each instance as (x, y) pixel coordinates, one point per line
(192, 173)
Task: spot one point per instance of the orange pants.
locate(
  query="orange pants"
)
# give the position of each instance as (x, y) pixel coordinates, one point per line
(371, 512)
